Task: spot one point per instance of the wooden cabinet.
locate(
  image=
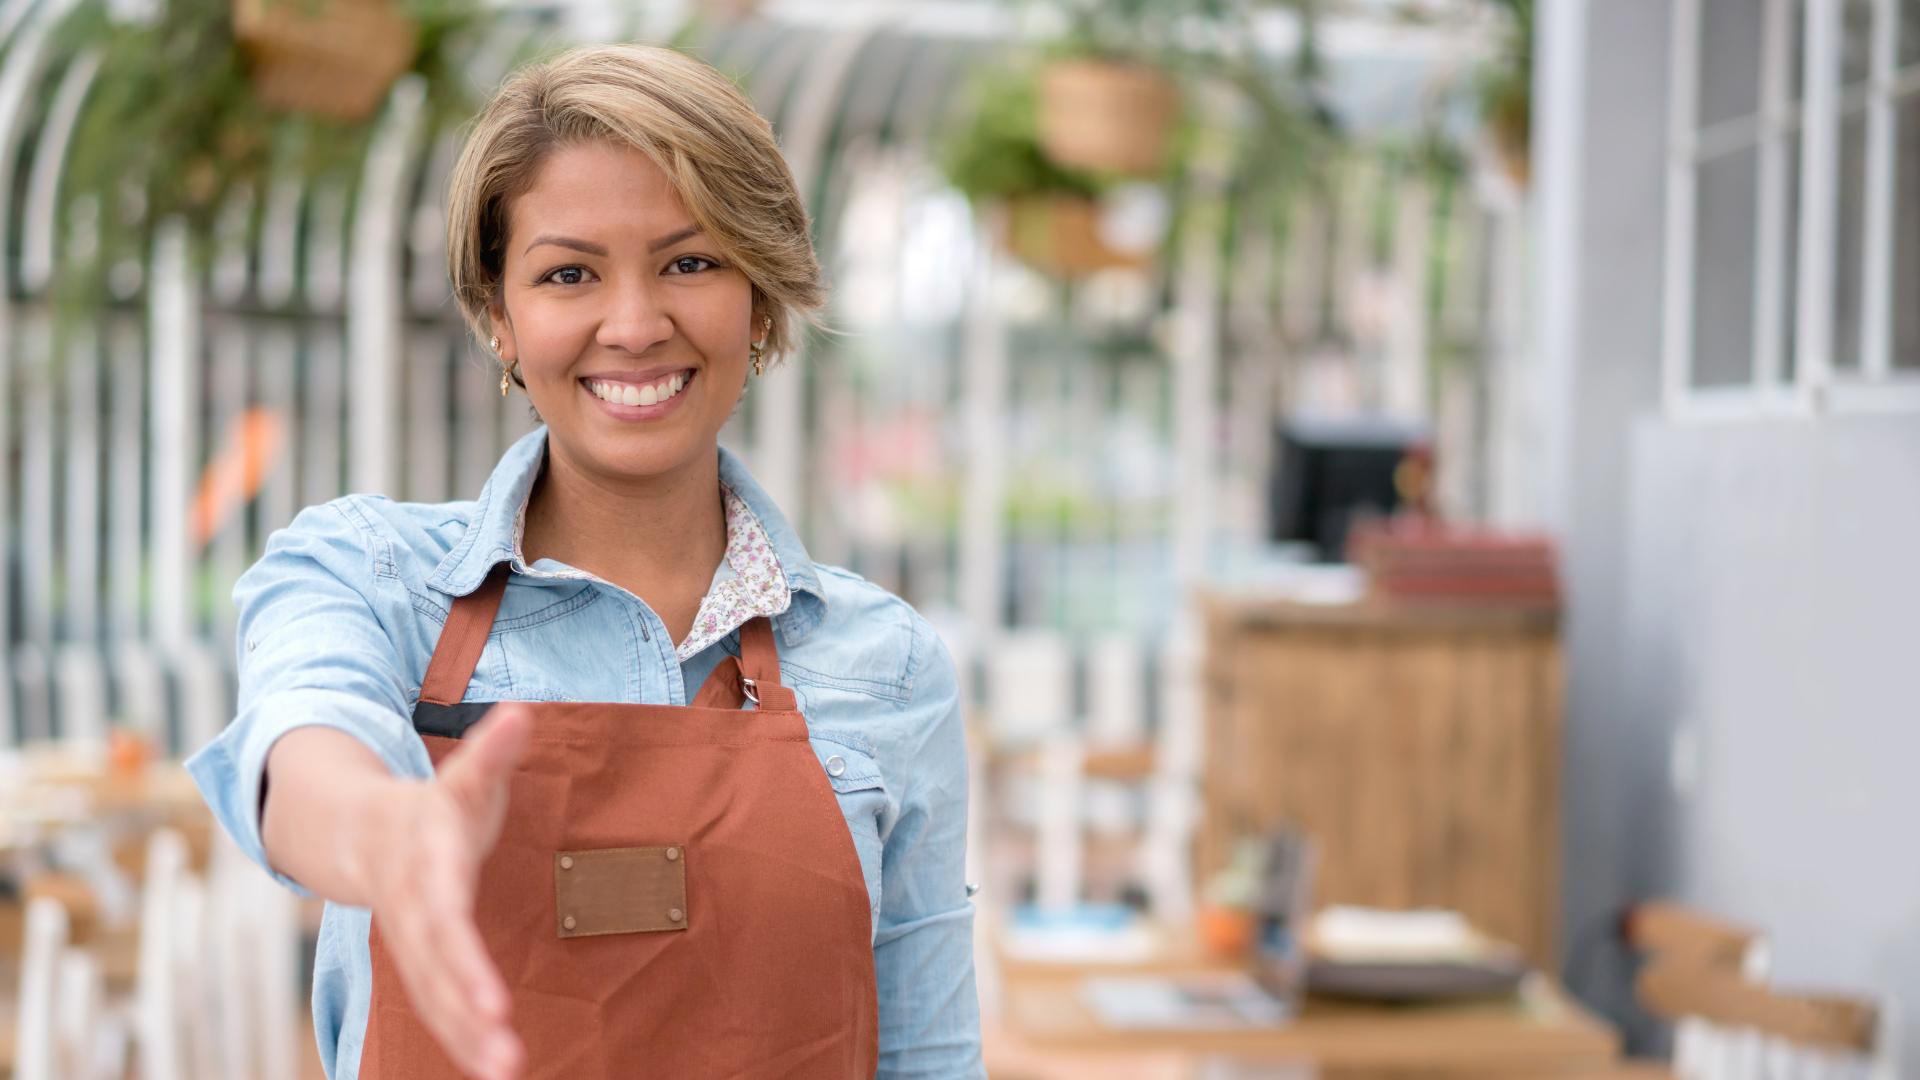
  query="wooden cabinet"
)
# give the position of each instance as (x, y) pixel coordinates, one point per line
(1421, 748)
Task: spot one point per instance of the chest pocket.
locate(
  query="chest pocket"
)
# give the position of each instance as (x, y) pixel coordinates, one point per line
(862, 792)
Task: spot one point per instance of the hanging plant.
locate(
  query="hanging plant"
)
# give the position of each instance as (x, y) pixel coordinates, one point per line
(332, 58)
(1050, 214)
(1506, 92)
(174, 126)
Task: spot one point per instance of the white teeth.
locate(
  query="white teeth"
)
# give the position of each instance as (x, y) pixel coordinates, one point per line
(629, 394)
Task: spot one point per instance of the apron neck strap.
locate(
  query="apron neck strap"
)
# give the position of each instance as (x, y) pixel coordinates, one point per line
(471, 620)
(462, 639)
(760, 665)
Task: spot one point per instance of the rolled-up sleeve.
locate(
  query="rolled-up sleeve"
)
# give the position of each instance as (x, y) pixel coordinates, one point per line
(923, 945)
(313, 651)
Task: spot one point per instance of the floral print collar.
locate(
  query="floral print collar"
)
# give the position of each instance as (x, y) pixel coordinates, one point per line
(748, 583)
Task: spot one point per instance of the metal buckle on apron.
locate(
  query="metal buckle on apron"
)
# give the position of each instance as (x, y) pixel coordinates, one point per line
(749, 688)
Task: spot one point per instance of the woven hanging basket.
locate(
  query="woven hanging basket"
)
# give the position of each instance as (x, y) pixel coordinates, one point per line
(332, 58)
(1060, 235)
(1107, 117)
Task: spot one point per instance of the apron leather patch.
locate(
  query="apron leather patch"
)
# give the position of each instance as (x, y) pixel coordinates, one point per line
(620, 890)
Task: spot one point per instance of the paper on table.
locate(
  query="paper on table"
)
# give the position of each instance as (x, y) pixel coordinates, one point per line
(1200, 1001)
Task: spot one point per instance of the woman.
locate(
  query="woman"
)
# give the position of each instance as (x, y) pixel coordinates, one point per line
(720, 831)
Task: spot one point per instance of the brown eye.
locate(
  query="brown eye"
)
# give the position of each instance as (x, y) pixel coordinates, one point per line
(691, 264)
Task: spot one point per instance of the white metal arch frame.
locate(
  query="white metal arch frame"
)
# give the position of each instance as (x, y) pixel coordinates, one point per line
(27, 51)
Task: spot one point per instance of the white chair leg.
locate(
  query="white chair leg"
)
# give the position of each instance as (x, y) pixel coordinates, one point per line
(278, 997)
(81, 995)
(37, 1044)
(1061, 857)
(156, 1000)
(192, 988)
(230, 909)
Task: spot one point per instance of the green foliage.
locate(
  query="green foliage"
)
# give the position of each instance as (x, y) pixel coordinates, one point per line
(995, 153)
(1506, 84)
(171, 126)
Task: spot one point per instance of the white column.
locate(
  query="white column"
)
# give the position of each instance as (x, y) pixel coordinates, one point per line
(376, 295)
(174, 363)
(1195, 364)
(983, 365)
(780, 453)
(1408, 394)
(28, 28)
(1559, 136)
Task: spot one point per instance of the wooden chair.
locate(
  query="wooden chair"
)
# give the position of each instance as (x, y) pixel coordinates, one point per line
(1710, 979)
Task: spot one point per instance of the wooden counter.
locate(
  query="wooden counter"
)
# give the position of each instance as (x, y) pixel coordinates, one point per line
(1420, 746)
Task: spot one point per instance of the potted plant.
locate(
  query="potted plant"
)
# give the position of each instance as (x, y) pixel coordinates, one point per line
(173, 126)
(1049, 213)
(1506, 92)
(1106, 102)
(334, 58)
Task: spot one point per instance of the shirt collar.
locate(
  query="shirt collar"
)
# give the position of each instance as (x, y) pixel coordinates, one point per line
(492, 532)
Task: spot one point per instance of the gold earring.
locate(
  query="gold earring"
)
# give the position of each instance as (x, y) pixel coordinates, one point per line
(506, 379)
(757, 351)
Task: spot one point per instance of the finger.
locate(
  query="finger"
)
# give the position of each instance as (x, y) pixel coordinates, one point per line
(488, 753)
(435, 995)
(500, 738)
(462, 953)
(466, 957)
(479, 996)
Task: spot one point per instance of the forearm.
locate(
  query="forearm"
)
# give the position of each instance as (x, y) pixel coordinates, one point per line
(323, 800)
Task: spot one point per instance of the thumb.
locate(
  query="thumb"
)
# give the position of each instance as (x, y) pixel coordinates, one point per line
(489, 752)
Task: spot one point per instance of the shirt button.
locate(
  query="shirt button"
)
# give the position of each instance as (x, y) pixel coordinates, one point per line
(675, 915)
(567, 922)
(836, 765)
(673, 853)
(566, 862)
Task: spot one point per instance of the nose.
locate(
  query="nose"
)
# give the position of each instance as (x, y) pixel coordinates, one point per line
(635, 320)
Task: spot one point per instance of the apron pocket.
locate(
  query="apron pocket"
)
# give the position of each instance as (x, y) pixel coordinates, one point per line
(620, 890)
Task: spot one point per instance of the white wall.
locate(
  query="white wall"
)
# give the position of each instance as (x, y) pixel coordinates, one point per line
(1752, 588)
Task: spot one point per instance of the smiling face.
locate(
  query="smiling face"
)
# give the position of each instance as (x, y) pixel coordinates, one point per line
(630, 329)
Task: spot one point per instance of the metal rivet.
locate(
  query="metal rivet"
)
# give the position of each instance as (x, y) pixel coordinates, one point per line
(567, 922)
(566, 862)
(673, 853)
(675, 915)
(836, 765)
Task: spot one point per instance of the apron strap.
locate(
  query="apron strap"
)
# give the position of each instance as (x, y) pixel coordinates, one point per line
(462, 639)
(754, 676)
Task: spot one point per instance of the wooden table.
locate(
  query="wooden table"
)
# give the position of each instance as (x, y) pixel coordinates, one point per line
(1046, 1032)
(1540, 1033)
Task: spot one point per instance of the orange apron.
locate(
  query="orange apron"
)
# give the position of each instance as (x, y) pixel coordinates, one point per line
(674, 893)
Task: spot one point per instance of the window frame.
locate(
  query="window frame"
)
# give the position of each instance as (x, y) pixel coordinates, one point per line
(1817, 384)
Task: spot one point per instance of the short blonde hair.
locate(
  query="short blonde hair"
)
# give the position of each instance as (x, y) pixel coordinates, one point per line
(717, 151)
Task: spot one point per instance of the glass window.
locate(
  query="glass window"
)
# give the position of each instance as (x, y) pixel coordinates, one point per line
(1724, 250)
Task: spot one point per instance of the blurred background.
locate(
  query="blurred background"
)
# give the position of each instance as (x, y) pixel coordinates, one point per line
(1423, 494)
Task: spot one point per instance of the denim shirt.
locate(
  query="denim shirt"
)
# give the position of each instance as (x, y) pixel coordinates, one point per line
(338, 620)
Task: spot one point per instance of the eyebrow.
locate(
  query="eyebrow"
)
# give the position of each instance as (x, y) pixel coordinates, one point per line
(592, 248)
(587, 246)
(673, 238)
